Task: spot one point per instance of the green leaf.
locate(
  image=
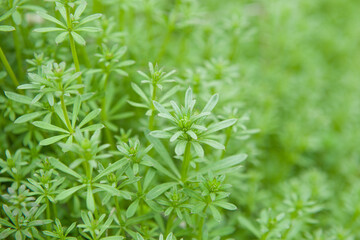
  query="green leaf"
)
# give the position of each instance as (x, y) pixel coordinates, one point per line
(89, 117)
(213, 143)
(61, 37)
(6, 232)
(225, 205)
(160, 168)
(18, 97)
(48, 126)
(159, 189)
(112, 238)
(51, 19)
(220, 125)
(225, 163)
(198, 149)
(188, 99)
(160, 134)
(111, 168)
(80, 9)
(132, 208)
(211, 103)
(48, 29)
(161, 150)
(93, 127)
(60, 166)
(90, 202)
(79, 39)
(90, 18)
(64, 194)
(139, 237)
(140, 92)
(180, 147)
(52, 140)
(215, 213)
(248, 225)
(148, 178)
(6, 28)
(29, 116)
(112, 190)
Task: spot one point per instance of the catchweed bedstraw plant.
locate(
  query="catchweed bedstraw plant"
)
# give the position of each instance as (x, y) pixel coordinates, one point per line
(132, 119)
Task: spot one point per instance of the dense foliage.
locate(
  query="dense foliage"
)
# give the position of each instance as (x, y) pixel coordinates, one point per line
(179, 119)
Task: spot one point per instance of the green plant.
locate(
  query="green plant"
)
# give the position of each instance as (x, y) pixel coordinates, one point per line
(94, 143)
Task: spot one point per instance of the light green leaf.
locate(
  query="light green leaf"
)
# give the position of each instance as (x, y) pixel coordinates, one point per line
(188, 99)
(62, 167)
(6, 28)
(51, 19)
(80, 9)
(159, 189)
(18, 97)
(90, 202)
(79, 39)
(90, 117)
(90, 18)
(161, 150)
(132, 208)
(48, 126)
(215, 213)
(61, 37)
(220, 125)
(160, 134)
(93, 127)
(198, 149)
(48, 29)
(211, 103)
(52, 140)
(64, 194)
(111, 168)
(180, 147)
(29, 116)
(225, 205)
(213, 143)
(140, 92)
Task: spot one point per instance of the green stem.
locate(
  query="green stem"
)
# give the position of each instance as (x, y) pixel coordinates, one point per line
(169, 223)
(140, 200)
(228, 136)
(48, 213)
(18, 52)
(201, 224)
(165, 43)
(63, 106)
(108, 134)
(54, 209)
(153, 98)
(8, 68)
(72, 44)
(186, 161)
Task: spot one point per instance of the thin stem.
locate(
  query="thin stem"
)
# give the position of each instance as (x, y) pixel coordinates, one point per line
(201, 224)
(8, 68)
(186, 161)
(153, 98)
(108, 134)
(169, 223)
(18, 52)
(227, 139)
(72, 44)
(63, 106)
